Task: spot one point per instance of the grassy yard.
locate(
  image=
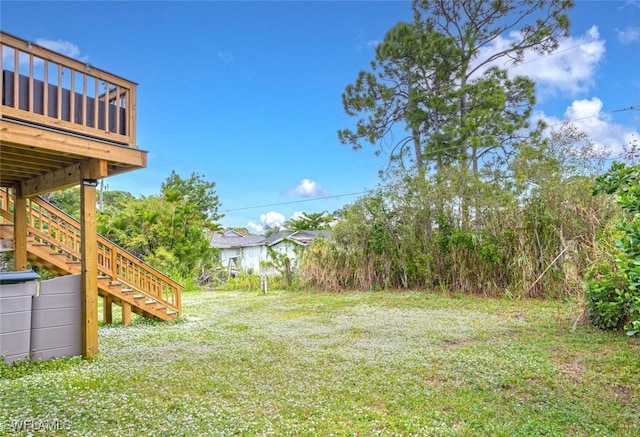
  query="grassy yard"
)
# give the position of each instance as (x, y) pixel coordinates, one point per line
(295, 364)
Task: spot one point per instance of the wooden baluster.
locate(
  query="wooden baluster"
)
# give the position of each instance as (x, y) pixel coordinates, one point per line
(117, 105)
(96, 103)
(106, 106)
(59, 109)
(72, 96)
(45, 90)
(131, 116)
(113, 262)
(84, 99)
(1, 74)
(16, 78)
(30, 105)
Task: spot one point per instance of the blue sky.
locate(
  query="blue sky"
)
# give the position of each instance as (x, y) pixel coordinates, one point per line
(249, 93)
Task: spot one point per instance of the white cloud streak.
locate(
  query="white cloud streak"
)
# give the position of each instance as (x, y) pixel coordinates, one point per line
(588, 116)
(272, 219)
(570, 69)
(63, 47)
(308, 188)
(629, 35)
(255, 228)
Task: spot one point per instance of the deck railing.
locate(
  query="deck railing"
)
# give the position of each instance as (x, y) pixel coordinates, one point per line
(44, 87)
(53, 226)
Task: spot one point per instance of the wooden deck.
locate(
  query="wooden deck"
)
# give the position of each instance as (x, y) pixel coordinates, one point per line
(58, 114)
(65, 123)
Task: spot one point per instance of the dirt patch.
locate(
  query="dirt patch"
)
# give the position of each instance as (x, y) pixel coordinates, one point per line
(572, 369)
(451, 344)
(624, 395)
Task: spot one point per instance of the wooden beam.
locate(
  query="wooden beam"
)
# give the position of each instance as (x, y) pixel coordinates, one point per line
(33, 137)
(107, 307)
(53, 181)
(126, 313)
(66, 177)
(89, 251)
(19, 231)
(95, 169)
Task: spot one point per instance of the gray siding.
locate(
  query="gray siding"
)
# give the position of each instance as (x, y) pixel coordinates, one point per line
(41, 326)
(56, 321)
(15, 320)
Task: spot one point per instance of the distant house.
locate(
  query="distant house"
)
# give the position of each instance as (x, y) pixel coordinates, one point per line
(259, 255)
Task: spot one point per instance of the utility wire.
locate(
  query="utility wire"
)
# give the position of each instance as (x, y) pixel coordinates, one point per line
(292, 202)
(629, 108)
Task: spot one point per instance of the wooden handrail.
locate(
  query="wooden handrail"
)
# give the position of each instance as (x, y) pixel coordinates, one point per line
(40, 86)
(53, 226)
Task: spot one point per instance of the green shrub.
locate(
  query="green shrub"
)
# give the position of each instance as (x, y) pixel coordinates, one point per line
(607, 307)
(614, 298)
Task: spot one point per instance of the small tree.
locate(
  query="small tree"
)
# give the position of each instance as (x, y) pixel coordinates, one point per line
(310, 221)
(171, 230)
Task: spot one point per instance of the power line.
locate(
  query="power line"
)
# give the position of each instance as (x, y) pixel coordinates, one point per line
(292, 202)
(289, 181)
(629, 108)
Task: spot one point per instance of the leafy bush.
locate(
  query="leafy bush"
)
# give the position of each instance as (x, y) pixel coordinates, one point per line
(614, 299)
(606, 301)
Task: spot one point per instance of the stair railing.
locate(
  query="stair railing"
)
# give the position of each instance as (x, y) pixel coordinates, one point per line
(51, 225)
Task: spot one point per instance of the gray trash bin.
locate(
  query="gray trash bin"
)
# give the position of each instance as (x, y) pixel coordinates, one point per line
(16, 294)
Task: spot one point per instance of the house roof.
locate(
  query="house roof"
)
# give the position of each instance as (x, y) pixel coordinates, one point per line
(232, 239)
(304, 237)
(277, 236)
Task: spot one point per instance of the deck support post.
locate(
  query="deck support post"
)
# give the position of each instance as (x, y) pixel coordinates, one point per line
(89, 252)
(126, 313)
(107, 313)
(19, 230)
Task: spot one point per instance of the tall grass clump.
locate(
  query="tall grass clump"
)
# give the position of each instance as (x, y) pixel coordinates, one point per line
(529, 227)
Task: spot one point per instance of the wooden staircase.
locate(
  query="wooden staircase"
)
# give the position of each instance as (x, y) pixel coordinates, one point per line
(53, 244)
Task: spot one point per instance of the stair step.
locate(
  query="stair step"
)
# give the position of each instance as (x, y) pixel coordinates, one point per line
(74, 262)
(161, 308)
(41, 244)
(115, 284)
(139, 296)
(126, 290)
(150, 302)
(104, 277)
(58, 253)
(171, 312)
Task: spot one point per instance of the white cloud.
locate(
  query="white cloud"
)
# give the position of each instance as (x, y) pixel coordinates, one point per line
(570, 69)
(587, 115)
(63, 47)
(629, 34)
(308, 188)
(272, 219)
(296, 215)
(255, 228)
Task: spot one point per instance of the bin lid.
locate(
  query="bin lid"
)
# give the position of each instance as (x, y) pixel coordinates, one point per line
(18, 277)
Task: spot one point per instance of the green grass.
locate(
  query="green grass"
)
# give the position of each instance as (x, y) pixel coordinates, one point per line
(295, 363)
